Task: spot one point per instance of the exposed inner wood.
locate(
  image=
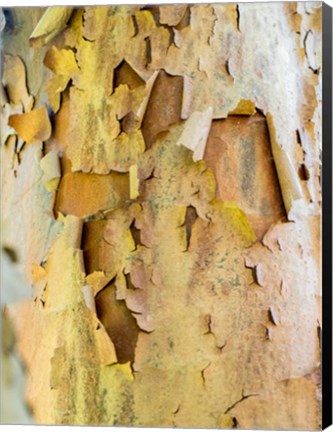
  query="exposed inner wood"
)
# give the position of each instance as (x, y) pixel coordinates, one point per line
(238, 151)
(164, 107)
(118, 322)
(161, 196)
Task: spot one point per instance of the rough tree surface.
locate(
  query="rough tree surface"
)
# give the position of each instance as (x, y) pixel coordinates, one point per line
(161, 196)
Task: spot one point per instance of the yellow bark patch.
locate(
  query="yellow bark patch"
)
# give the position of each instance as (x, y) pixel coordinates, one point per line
(134, 181)
(60, 62)
(244, 107)
(31, 126)
(82, 194)
(51, 23)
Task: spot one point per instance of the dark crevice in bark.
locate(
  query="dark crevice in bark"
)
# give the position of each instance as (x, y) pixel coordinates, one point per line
(171, 34)
(315, 71)
(129, 283)
(227, 67)
(135, 234)
(235, 423)
(148, 50)
(92, 235)
(135, 25)
(298, 137)
(237, 17)
(202, 373)
(125, 74)
(88, 40)
(119, 323)
(190, 217)
(155, 11)
(303, 172)
(11, 253)
(239, 401)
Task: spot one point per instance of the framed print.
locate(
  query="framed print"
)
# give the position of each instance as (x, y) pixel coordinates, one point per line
(166, 215)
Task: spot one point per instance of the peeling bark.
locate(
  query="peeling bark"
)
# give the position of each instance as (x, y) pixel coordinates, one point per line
(165, 164)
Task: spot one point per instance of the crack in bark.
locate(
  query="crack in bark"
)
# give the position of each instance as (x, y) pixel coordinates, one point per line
(135, 25)
(239, 401)
(314, 70)
(227, 67)
(237, 17)
(202, 373)
(213, 25)
(190, 218)
(176, 410)
(148, 50)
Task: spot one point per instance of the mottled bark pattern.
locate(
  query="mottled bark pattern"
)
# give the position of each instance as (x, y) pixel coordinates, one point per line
(161, 194)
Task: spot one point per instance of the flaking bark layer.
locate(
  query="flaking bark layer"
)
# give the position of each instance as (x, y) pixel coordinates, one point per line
(161, 192)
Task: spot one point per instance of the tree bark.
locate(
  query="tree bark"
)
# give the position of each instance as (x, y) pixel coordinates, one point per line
(161, 192)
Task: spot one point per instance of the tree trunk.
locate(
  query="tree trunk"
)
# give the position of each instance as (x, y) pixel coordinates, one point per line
(161, 193)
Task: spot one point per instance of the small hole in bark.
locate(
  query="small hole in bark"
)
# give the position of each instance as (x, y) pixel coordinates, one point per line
(190, 217)
(235, 423)
(11, 253)
(303, 172)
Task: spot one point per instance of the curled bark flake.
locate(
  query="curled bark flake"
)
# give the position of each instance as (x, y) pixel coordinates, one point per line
(288, 178)
(15, 82)
(33, 125)
(273, 316)
(52, 22)
(50, 165)
(195, 133)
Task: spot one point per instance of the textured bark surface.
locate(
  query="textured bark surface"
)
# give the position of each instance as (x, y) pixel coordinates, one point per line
(161, 193)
